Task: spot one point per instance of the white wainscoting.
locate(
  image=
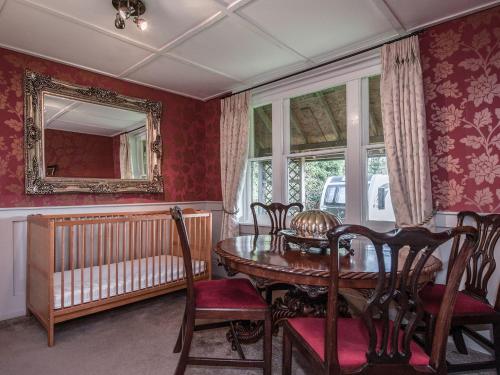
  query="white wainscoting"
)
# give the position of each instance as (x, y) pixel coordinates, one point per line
(13, 242)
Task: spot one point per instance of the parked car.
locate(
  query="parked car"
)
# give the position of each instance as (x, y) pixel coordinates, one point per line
(333, 197)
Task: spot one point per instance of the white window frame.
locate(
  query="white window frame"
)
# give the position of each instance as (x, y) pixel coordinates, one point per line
(352, 74)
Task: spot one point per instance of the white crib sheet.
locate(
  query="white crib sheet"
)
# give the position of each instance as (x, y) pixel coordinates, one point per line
(166, 270)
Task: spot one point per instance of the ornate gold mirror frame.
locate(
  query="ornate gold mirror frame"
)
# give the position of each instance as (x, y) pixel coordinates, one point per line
(36, 182)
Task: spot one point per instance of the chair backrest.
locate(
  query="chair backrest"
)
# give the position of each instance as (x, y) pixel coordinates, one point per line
(395, 307)
(277, 213)
(482, 264)
(176, 213)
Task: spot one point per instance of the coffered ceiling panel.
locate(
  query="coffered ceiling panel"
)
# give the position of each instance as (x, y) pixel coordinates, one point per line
(315, 27)
(42, 33)
(431, 10)
(232, 47)
(166, 19)
(183, 78)
(204, 48)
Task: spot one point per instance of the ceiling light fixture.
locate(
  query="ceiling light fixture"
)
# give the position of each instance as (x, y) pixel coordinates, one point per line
(130, 9)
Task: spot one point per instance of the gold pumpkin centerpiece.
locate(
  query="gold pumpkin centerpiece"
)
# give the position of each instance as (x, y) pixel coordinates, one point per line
(314, 223)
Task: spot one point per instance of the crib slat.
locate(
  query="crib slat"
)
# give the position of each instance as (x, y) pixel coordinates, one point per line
(164, 246)
(124, 259)
(117, 230)
(82, 261)
(146, 249)
(62, 266)
(72, 266)
(154, 239)
(91, 262)
(132, 254)
(140, 250)
(171, 234)
(109, 246)
(99, 256)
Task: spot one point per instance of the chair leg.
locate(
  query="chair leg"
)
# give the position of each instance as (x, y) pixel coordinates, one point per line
(186, 346)
(178, 344)
(458, 339)
(268, 344)
(287, 353)
(496, 343)
(429, 332)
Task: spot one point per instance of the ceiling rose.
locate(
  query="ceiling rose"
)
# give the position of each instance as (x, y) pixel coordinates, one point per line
(130, 9)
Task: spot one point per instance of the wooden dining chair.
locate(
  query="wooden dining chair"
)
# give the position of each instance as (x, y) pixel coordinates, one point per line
(472, 305)
(380, 342)
(277, 213)
(226, 299)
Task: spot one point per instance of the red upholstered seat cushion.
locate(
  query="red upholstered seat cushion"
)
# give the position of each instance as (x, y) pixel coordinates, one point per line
(352, 341)
(432, 295)
(227, 294)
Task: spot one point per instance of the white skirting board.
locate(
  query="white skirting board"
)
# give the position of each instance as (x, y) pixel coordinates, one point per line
(13, 250)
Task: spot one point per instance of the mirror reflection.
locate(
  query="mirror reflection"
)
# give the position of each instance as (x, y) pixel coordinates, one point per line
(87, 140)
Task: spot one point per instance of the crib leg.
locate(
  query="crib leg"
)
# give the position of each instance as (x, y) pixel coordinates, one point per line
(50, 334)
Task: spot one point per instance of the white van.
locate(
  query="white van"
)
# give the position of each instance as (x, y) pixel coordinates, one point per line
(379, 199)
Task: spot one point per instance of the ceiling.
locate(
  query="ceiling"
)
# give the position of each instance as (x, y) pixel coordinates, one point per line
(204, 48)
(81, 117)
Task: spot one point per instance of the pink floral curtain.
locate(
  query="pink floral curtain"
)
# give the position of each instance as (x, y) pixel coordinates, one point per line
(405, 132)
(233, 151)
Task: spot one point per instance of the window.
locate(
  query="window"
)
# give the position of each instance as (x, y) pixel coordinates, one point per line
(378, 196)
(318, 120)
(318, 182)
(259, 170)
(138, 152)
(319, 141)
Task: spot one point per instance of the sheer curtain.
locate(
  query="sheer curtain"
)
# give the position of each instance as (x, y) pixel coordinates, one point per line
(125, 157)
(405, 133)
(233, 151)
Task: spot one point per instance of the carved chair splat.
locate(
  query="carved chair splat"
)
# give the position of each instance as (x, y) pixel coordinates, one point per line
(338, 345)
(277, 213)
(228, 299)
(472, 306)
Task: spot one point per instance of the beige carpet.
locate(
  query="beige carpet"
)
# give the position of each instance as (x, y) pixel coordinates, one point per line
(137, 339)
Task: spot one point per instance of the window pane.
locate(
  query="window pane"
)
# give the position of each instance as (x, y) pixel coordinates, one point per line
(375, 110)
(318, 120)
(261, 132)
(318, 182)
(261, 181)
(379, 196)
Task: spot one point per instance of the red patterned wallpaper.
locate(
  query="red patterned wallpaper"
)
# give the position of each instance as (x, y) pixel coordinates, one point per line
(461, 64)
(211, 112)
(80, 155)
(189, 128)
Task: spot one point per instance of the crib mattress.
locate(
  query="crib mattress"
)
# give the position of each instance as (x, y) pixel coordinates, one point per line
(168, 268)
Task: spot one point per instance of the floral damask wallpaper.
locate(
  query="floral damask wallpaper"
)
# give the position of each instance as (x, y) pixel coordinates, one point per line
(189, 129)
(461, 67)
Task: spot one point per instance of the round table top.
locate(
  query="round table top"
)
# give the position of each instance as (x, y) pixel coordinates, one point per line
(266, 257)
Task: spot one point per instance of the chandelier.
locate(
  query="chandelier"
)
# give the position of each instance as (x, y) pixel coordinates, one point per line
(130, 9)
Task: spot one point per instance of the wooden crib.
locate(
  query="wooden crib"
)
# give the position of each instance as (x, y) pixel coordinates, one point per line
(82, 264)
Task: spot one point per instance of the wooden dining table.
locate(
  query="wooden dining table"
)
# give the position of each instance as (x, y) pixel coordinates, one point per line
(269, 259)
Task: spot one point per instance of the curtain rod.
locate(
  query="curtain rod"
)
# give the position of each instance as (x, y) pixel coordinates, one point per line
(133, 130)
(327, 62)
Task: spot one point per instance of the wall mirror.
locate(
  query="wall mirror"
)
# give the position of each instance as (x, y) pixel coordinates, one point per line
(87, 139)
